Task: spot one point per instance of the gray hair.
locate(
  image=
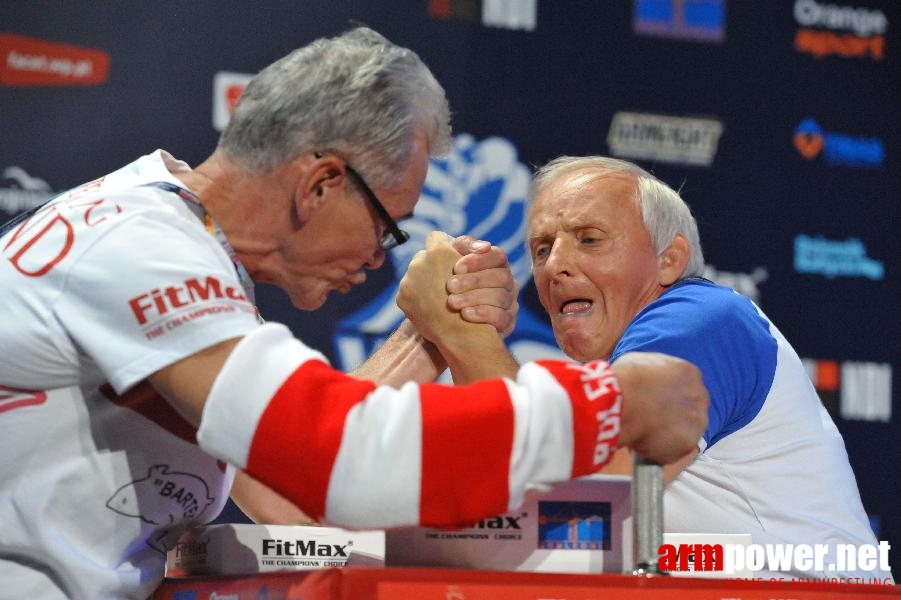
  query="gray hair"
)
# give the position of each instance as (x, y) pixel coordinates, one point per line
(663, 211)
(357, 95)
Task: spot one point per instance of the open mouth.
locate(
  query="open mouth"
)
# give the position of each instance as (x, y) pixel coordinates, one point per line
(576, 306)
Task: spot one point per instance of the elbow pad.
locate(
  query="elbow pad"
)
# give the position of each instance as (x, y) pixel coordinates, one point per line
(358, 455)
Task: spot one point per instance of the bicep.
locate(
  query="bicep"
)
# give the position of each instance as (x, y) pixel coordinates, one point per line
(186, 383)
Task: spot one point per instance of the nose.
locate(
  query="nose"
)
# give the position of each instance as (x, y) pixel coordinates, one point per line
(558, 261)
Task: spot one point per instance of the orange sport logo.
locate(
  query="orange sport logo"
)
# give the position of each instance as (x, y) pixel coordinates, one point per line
(26, 61)
(843, 31)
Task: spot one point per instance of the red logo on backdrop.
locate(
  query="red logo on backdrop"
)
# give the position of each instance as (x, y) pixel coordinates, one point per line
(442, 9)
(11, 398)
(26, 61)
(232, 95)
(227, 90)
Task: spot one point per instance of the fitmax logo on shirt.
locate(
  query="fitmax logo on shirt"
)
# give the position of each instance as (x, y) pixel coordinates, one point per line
(159, 302)
(811, 141)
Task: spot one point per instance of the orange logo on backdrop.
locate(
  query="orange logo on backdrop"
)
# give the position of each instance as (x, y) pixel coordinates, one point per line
(825, 43)
(26, 61)
(808, 144)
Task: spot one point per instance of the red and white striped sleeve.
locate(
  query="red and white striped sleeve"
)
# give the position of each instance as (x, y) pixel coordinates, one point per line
(358, 455)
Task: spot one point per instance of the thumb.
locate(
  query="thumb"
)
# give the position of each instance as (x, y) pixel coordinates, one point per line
(437, 239)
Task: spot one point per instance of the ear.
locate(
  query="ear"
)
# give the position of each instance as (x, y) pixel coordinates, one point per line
(671, 262)
(319, 177)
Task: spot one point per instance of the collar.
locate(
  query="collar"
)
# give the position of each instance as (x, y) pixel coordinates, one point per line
(192, 201)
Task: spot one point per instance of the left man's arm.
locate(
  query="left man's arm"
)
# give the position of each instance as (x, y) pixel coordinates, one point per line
(484, 291)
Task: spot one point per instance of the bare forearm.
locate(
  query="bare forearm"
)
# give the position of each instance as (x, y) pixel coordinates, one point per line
(480, 355)
(665, 405)
(405, 356)
(621, 464)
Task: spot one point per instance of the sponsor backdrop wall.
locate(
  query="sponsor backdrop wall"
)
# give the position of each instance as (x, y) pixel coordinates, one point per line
(779, 121)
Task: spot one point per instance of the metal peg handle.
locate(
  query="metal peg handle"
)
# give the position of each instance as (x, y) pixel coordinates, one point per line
(647, 515)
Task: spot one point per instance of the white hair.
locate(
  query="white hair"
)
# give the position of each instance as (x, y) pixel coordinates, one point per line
(356, 94)
(663, 211)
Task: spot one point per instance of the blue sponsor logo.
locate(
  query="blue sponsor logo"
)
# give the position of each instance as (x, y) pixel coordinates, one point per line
(574, 525)
(698, 20)
(184, 595)
(812, 141)
(832, 258)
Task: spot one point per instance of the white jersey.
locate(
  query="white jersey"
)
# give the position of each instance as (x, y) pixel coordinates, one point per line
(103, 286)
(772, 462)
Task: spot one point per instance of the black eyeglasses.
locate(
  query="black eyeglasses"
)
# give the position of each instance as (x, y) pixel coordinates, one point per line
(394, 236)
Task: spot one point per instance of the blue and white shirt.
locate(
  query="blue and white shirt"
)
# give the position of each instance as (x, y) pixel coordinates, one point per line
(771, 462)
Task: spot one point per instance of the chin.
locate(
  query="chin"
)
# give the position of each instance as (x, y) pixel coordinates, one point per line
(308, 301)
(581, 350)
(570, 350)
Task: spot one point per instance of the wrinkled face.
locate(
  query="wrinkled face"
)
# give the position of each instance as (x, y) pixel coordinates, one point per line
(593, 262)
(341, 240)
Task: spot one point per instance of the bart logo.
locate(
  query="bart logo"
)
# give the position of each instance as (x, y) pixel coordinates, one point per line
(163, 497)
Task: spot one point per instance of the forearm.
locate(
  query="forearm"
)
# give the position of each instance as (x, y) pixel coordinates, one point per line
(405, 356)
(480, 355)
(622, 463)
(665, 413)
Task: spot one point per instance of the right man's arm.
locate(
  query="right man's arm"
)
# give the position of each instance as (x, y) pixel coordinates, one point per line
(666, 408)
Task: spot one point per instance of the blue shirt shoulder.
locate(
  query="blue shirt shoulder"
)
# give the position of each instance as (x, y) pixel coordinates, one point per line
(723, 334)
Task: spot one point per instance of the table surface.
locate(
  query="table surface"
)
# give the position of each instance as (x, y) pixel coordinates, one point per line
(462, 584)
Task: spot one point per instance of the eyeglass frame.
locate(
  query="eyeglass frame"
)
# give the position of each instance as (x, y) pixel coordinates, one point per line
(397, 235)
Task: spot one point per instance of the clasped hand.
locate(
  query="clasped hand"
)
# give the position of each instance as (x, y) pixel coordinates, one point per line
(455, 281)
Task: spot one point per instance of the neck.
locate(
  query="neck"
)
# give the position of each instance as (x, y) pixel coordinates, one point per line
(234, 200)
